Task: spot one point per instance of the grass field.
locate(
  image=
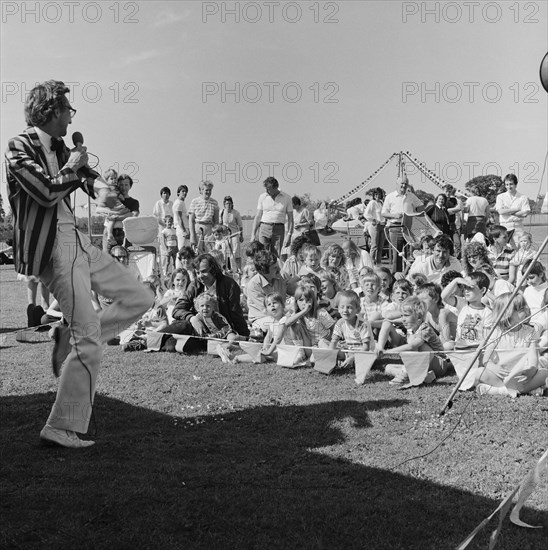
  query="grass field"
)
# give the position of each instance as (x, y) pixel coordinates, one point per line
(193, 454)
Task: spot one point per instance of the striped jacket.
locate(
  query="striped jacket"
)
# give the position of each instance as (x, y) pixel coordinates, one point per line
(34, 197)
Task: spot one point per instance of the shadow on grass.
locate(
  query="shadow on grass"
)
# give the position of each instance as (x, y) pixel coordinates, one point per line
(247, 479)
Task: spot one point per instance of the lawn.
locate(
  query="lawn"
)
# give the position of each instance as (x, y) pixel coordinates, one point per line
(191, 453)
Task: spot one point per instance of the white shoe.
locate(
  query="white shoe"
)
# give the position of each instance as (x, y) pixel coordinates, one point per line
(64, 438)
(393, 369)
(223, 354)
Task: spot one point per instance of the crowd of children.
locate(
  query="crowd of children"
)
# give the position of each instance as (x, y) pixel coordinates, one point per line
(338, 300)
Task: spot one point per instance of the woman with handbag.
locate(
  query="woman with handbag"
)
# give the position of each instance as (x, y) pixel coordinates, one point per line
(302, 221)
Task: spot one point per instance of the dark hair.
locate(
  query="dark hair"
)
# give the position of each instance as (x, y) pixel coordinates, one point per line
(262, 261)
(511, 177)
(185, 275)
(481, 279)
(214, 267)
(537, 269)
(253, 247)
(122, 177)
(445, 242)
(272, 181)
(479, 250)
(165, 190)
(449, 276)
(442, 195)
(186, 253)
(42, 101)
(404, 284)
(349, 295)
(297, 244)
(495, 231)
(182, 188)
(433, 290)
(296, 201)
(228, 198)
(312, 279)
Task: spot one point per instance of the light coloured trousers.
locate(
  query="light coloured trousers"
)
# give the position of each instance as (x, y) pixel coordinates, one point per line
(75, 269)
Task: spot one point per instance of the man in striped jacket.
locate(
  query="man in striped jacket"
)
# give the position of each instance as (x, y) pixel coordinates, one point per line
(42, 173)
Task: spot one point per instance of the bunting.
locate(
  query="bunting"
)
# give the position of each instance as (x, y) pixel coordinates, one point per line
(362, 364)
(325, 360)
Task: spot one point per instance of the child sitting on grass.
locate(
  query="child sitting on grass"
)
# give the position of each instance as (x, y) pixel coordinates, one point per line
(350, 332)
(310, 326)
(501, 375)
(274, 304)
(474, 318)
(208, 321)
(443, 321)
(392, 327)
(328, 292)
(311, 259)
(371, 303)
(420, 337)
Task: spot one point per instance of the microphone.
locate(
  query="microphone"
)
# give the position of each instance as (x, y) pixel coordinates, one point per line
(78, 141)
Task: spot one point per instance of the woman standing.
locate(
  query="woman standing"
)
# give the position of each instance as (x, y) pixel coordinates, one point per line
(321, 216)
(301, 218)
(439, 215)
(232, 219)
(375, 224)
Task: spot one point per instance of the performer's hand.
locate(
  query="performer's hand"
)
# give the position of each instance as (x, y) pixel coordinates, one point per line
(78, 158)
(106, 198)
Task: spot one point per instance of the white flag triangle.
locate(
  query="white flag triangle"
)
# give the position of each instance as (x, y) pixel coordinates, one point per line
(363, 363)
(290, 356)
(325, 360)
(461, 361)
(416, 364)
(253, 349)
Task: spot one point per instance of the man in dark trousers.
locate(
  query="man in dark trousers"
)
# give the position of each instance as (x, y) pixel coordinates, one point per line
(42, 174)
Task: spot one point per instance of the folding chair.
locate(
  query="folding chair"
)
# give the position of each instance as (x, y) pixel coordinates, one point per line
(142, 233)
(414, 227)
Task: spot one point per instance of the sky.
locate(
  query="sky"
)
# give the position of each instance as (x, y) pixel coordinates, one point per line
(318, 94)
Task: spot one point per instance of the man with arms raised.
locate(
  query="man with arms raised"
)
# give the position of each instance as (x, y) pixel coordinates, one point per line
(42, 173)
(273, 208)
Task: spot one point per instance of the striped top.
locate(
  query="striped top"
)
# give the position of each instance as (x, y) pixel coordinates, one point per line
(35, 197)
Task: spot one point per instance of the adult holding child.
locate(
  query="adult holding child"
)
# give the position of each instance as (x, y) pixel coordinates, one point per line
(209, 279)
(273, 209)
(42, 173)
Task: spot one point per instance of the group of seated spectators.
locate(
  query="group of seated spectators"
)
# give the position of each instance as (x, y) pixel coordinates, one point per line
(340, 299)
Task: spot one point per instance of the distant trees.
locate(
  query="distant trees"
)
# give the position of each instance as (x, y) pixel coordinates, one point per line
(489, 186)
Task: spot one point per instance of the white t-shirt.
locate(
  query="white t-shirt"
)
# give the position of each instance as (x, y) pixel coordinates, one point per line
(180, 206)
(477, 205)
(274, 210)
(471, 325)
(394, 203)
(505, 201)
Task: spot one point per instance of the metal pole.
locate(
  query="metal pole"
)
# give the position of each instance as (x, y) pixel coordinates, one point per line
(449, 403)
(89, 217)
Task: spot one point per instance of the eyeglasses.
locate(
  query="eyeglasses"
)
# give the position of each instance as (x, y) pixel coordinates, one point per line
(72, 112)
(473, 256)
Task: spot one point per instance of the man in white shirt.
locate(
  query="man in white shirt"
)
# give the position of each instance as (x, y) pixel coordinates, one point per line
(441, 261)
(399, 202)
(273, 208)
(513, 207)
(180, 216)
